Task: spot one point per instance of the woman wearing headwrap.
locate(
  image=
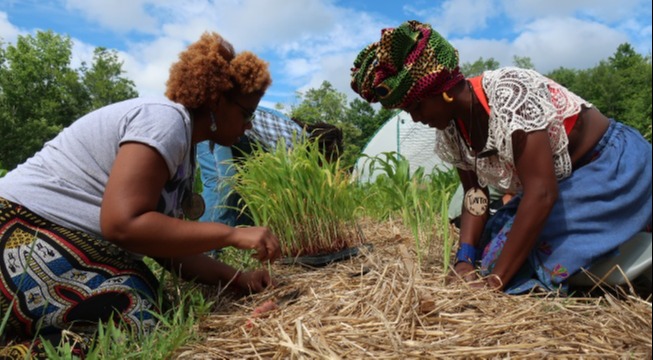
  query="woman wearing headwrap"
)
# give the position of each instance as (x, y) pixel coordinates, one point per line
(583, 180)
(77, 218)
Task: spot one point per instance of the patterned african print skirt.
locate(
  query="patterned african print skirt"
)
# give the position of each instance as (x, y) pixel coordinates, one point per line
(600, 206)
(53, 278)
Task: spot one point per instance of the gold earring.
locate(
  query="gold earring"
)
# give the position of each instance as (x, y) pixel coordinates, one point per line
(446, 97)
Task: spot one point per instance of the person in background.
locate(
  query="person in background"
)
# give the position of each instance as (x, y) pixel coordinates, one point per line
(77, 218)
(219, 163)
(582, 181)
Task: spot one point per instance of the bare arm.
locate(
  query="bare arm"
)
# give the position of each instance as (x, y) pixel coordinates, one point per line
(129, 218)
(534, 163)
(471, 227)
(206, 270)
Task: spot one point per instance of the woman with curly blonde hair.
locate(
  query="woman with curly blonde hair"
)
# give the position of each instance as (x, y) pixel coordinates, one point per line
(78, 217)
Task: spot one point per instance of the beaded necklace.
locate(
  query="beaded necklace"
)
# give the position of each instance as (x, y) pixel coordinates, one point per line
(475, 201)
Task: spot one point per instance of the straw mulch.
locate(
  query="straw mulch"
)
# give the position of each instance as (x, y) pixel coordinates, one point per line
(384, 305)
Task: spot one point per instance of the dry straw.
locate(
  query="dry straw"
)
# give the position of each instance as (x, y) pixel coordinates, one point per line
(385, 305)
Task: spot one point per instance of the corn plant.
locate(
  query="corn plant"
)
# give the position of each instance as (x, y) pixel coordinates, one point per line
(442, 184)
(421, 199)
(304, 199)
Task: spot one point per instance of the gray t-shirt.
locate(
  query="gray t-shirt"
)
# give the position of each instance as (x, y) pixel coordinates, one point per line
(64, 182)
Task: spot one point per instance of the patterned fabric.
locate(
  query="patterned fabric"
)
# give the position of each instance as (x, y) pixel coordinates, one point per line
(53, 278)
(589, 220)
(519, 99)
(271, 126)
(408, 62)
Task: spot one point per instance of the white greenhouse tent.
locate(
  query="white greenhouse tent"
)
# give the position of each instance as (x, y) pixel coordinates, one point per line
(414, 141)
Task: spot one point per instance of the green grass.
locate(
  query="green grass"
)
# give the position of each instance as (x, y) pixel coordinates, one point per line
(304, 200)
(312, 208)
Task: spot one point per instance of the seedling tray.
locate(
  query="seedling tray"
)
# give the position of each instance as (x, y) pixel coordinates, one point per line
(321, 260)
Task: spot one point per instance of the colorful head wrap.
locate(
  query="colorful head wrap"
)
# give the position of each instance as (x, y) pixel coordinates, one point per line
(408, 62)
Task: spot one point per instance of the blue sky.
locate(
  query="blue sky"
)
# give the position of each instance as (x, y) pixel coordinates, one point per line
(309, 41)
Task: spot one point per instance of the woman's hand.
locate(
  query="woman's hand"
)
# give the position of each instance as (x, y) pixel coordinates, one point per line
(466, 272)
(259, 239)
(254, 281)
(491, 282)
(462, 271)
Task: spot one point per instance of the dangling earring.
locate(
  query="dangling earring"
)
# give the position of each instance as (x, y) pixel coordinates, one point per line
(214, 126)
(446, 97)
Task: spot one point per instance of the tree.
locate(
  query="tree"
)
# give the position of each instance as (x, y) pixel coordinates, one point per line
(362, 115)
(358, 121)
(620, 87)
(565, 77)
(477, 67)
(327, 105)
(37, 84)
(104, 82)
(522, 62)
(40, 93)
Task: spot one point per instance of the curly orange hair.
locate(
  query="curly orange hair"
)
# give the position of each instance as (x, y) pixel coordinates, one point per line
(210, 68)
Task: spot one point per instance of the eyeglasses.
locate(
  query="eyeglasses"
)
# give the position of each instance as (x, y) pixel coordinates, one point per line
(248, 115)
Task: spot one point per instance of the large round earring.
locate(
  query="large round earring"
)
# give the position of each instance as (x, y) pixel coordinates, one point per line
(446, 97)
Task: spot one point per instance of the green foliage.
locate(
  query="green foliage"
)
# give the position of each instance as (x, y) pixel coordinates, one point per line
(104, 82)
(363, 116)
(422, 200)
(477, 67)
(358, 120)
(619, 87)
(40, 93)
(302, 198)
(320, 105)
(327, 105)
(523, 62)
(35, 84)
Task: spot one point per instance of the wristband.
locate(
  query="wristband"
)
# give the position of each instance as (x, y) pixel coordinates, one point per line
(466, 253)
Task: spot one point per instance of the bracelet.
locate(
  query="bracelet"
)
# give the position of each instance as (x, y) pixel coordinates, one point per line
(466, 253)
(498, 283)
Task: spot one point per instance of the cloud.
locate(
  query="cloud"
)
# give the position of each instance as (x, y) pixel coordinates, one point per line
(263, 24)
(8, 32)
(121, 16)
(335, 70)
(304, 59)
(602, 10)
(309, 41)
(460, 16)
(148, 64)
(471, 49)
(569, 42)
(81, 52)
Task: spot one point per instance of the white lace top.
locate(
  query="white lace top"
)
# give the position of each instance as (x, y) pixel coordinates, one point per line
(519, 99)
